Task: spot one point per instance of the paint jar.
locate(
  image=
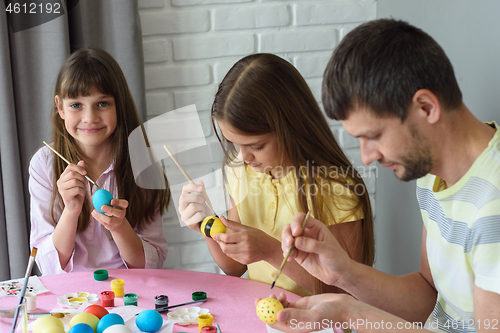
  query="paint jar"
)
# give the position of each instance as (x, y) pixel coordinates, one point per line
(100, 275)
(161, 301)
(118, 286)
(209, 329)
(205, 320)
(30, 301)
(107, 299)
(199, 295)
(130, 299)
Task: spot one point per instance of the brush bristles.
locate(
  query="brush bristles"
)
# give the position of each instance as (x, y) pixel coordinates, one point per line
(33, 252)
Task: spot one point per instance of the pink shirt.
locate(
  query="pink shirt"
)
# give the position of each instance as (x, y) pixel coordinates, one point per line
(94, 248)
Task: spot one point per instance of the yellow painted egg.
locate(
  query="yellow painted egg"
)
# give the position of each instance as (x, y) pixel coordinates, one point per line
(86, 318)
(53, 329)
(267, 310)
(45, 323)
(212, 225)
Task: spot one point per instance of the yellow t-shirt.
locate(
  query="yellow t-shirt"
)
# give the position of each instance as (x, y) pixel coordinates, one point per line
(269, 204)
(463, 238)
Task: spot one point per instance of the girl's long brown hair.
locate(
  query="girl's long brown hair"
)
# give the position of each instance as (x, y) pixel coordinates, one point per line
(94, 68)
(263, 93)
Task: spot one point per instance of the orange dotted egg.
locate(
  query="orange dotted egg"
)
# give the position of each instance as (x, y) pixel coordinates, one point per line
(267, 310)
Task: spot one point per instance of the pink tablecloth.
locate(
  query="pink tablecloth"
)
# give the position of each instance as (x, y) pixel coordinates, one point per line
(231, 300)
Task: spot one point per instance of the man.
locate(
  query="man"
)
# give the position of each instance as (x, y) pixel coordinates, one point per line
(393, 87)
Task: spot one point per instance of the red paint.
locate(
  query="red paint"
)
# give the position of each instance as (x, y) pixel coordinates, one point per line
(107, 299)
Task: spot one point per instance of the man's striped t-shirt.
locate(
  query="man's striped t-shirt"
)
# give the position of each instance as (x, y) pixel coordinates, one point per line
(463, 238)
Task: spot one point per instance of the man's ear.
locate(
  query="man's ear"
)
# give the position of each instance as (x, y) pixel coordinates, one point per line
(427, 105)
(58, 102)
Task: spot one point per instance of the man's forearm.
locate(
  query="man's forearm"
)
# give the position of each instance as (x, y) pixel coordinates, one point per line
(409, 296)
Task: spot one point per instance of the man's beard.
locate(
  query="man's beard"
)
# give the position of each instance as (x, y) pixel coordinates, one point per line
(418, 162)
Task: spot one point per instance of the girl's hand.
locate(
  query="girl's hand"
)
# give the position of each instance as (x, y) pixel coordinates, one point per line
(114, 217)
(316, 249)
(246, 244)
(192, 206)
(71, 186)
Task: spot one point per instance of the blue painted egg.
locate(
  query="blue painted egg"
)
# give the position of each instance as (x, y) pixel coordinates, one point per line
(149, 321)
(81, 328)
(100, 198)
(109, 320)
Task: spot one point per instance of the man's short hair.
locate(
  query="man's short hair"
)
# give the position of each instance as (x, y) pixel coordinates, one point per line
(380, 65)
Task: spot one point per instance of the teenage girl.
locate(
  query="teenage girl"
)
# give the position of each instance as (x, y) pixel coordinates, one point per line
(92, 117)
(289, 162)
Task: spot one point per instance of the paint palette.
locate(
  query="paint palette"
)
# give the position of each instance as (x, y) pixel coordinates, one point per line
(75, 300)
(187, 316)
(14, 287)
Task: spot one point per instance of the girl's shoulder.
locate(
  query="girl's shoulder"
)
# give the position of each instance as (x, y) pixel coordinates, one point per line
(42, 159)
(342, 190)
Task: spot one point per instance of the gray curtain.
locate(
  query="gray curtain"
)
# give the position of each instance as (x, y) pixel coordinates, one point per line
(32, 48)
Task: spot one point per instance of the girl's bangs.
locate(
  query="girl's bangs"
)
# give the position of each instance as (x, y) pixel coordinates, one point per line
(79, 81)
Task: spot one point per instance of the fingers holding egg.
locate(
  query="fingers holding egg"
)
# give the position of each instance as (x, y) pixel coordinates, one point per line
(267, 310)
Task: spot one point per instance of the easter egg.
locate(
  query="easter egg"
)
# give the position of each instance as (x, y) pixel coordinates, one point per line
(212, 225)
(86, 318)
(56, 329)
(81, 328)
(267, 310)
(45, 323)
(96, 310)
(100, 198)
(118, 329)
(108, 321)
(149, 321)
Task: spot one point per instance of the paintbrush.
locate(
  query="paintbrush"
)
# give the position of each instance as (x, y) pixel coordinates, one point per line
(188, 178)
(35, 315)
(31, 262)
(65, 160)
(289, 251)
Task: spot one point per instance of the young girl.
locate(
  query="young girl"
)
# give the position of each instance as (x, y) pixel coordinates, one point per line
(290, 162)
(93, 115)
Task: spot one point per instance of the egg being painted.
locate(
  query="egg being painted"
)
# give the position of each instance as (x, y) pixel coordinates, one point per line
(212, 225)
(100, 198)
(267, 310)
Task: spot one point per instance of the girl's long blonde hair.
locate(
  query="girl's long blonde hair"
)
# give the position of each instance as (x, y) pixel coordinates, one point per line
(94, 68)
(263, 93)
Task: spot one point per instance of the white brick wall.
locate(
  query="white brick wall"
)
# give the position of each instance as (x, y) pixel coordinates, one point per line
(189, 45)
(250, 17)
